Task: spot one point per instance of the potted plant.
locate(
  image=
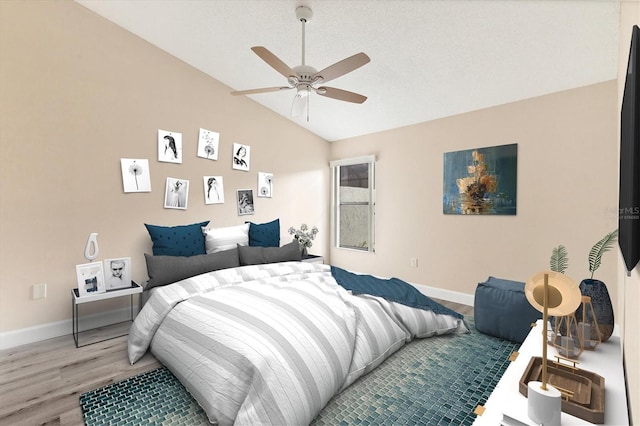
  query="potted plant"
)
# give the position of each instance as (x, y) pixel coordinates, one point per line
(597, 290)
(304, 236)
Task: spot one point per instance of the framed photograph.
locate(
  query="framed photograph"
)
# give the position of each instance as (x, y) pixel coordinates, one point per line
(169, 146)
(213, 190)
(117, 273)
(241, 157)
(245, 201)
(265, 184)
(135, 175)
(481, 181)
(176, 194)
(90, 278)
(208, 142)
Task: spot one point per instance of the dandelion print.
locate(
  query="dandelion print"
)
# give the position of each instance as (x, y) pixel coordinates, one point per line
(135, 175)
(265, 185)
(136, 171)
(208, 142)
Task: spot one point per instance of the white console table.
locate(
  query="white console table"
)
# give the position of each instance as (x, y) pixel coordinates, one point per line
(605, 360)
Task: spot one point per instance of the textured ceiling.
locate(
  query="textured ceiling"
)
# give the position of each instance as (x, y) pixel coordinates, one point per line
(429, 59)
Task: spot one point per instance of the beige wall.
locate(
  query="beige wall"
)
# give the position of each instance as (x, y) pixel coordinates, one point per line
(629, 285)
(77, 94)
(567, 192)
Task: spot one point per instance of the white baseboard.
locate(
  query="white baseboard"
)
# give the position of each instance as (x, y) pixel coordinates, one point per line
(24, 336)
(441, 293)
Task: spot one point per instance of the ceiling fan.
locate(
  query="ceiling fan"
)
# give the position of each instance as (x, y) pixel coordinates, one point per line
(306, 79)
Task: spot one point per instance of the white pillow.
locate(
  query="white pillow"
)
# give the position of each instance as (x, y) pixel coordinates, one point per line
(220, 239)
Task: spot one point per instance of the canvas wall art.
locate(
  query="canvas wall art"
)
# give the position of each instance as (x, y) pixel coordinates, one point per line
(481, 181)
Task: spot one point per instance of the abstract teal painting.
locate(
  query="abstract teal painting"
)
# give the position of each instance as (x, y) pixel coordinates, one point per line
(481, 181)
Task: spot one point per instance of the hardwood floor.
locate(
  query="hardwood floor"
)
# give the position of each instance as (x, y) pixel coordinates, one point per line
(40, 383)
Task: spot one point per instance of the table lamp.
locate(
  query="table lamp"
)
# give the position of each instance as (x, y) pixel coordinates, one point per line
(551, 293)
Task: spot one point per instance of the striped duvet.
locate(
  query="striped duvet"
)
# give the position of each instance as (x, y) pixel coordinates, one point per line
(271, 344)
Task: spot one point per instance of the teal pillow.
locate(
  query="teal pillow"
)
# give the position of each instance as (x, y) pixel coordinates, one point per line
(264, 234)
(184, 240)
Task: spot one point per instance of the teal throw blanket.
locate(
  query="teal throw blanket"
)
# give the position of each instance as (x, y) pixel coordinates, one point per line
(393, 289)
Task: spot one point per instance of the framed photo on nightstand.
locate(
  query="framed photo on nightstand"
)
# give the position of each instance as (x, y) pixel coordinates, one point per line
(117, 273)
(90, 278)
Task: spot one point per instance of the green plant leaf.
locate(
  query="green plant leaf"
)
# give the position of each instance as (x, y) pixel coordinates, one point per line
(600, 248)
(559, 259)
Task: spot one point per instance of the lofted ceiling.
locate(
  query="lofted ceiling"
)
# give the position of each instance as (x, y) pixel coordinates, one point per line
(429, 59)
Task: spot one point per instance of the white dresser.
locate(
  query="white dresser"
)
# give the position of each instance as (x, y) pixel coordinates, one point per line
(606, 361)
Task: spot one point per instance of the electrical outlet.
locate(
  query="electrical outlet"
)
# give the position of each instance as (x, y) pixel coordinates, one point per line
(414, 262)
(39, 291)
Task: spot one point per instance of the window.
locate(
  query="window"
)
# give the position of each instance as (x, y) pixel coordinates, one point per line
(353, 203)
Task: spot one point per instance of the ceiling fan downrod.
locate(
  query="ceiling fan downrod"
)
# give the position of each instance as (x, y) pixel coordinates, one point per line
(304, 14)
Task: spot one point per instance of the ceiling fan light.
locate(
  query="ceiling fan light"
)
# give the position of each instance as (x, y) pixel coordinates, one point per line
(299, 106)
(303, 91)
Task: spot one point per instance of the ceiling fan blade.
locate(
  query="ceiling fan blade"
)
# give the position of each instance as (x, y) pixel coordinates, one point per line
(263, 90)
(344, 66)
(273, 61)
(341, 95)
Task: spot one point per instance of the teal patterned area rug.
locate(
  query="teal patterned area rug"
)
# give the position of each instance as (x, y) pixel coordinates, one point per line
(435, 381)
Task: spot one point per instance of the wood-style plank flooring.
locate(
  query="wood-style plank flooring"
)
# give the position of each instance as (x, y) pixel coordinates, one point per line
(40, 383)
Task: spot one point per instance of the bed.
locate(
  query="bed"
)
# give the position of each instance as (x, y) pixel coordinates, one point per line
(273, 343)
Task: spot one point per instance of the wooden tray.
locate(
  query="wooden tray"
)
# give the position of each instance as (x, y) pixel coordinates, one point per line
(587, 401)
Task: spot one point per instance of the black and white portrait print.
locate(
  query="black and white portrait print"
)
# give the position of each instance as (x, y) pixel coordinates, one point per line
(213, 190)
(241, 157)
(169, 146)
(176, 193)
(245, 202)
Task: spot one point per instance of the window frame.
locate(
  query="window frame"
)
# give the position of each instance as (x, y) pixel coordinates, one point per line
(335, 165)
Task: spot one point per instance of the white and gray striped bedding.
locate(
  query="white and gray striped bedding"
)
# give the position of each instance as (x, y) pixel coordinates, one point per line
(271, 344)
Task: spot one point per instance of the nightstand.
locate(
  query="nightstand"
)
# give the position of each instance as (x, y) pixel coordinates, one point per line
(312, 258)
(102, 333)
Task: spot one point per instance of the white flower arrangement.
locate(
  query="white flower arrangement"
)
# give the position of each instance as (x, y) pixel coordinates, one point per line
(304, 235)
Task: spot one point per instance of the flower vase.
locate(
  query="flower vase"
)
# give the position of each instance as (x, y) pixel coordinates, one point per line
(602, 307)
(304, 252)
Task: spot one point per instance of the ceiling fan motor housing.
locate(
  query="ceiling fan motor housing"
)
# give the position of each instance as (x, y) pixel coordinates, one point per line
(305, 73)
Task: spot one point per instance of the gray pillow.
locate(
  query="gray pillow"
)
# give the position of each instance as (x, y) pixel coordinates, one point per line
(164, 270)
(259, 255)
